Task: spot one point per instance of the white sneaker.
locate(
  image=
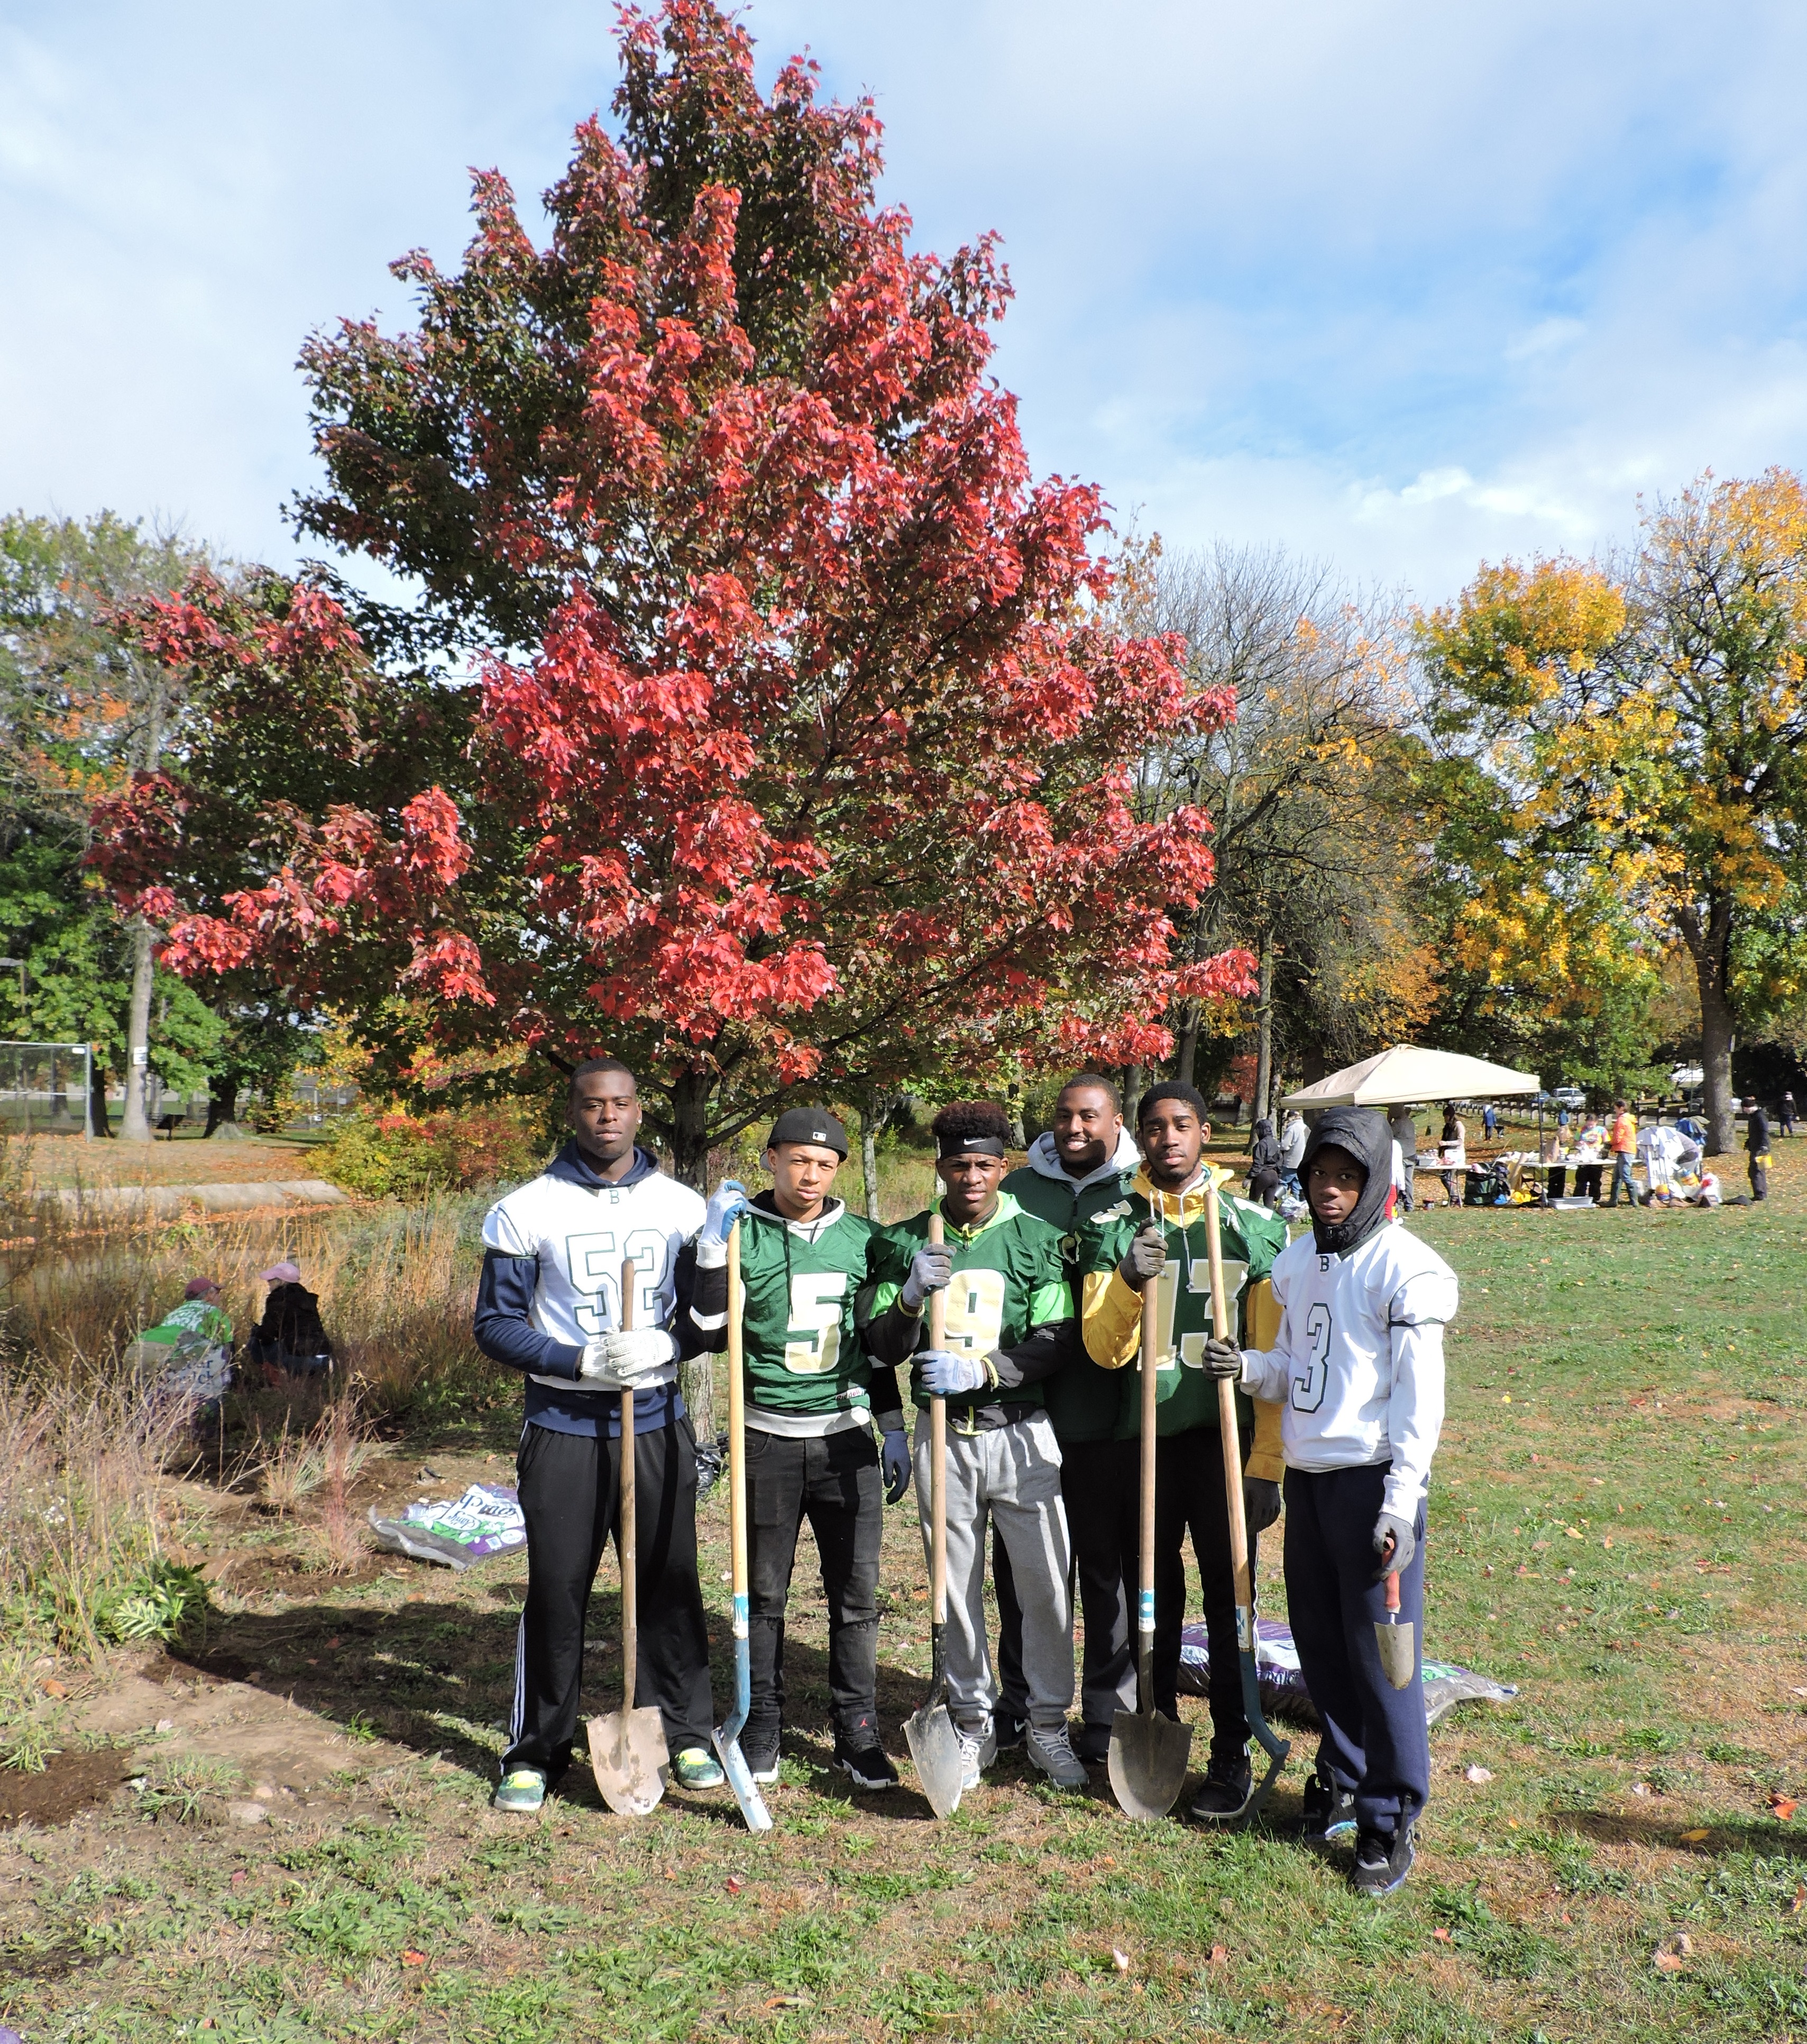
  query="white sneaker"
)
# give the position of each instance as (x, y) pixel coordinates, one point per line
(1052, 1752)
(978, 1750)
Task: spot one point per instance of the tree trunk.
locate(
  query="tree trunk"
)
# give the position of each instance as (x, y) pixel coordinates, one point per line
(875, 1112)
(1264, 1032)
(222, 1099)
(1185, 1044)
(135, 1126)
(1708, 943)
(690, 1094)
(1133, 1077)
(97, 1095)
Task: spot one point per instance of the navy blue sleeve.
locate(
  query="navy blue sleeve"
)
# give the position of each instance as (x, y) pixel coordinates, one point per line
(504, 1331)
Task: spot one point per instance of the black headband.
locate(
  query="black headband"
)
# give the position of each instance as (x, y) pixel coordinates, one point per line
(971, 1146)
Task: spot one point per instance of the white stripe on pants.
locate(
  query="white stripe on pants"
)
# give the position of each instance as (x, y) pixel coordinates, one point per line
(1009, 1476)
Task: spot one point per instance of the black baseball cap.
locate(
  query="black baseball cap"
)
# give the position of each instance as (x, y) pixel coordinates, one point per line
(809, 1124)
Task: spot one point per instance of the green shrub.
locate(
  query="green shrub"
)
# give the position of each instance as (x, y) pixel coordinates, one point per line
(152, 1605)
(399, 1156)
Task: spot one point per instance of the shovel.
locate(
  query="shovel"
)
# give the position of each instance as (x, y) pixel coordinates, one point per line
(626, 1747)
(1399, 1649)
(1148, 1752)
(727, 1738)
(934, 1744)
(1274, 1747)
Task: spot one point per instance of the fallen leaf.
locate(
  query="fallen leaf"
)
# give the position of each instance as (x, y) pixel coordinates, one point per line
(735, 1884)
(411, 1958)
(1783, 1806)
(1794, 1908)
(1666, 1962)
(1220, 1955)
(1641, 1789)
(1698, 1836)
(1477, 1774)
(53, 1688)
(333, 1642)
(1120, 1960)
(1441, 1936)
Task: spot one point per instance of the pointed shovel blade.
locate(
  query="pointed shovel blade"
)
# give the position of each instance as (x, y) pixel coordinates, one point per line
(741, 1780)
(1398, 1651)
(935, 1748)
(1148, 1755)
(627, 1751)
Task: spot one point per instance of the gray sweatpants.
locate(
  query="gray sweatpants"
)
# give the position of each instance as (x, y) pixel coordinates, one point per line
(1009, 1476)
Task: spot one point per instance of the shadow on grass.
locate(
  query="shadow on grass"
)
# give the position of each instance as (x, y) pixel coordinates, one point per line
(1764, 1837)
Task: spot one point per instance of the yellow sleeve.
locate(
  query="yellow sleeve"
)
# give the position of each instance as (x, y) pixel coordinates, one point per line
(1111, 1319)
(1263, 1324)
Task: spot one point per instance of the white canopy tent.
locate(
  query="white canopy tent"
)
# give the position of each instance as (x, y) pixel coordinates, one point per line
(1404, 1075)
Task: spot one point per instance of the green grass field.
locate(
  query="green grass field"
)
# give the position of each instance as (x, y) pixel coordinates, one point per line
(1616, 1527)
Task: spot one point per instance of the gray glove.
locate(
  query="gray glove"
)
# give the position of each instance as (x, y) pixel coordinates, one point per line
(1222, 1358)
(1260, 1502)
(930, 1269)
(1145, 1258)
(1404, 1545)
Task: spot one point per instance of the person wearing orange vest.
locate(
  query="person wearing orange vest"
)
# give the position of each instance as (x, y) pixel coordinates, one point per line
(1622, 1137)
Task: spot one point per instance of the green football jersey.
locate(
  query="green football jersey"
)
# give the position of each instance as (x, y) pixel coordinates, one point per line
(1082, 1399)
(1009, 1279)
(1250, 1239)
(803, 1352)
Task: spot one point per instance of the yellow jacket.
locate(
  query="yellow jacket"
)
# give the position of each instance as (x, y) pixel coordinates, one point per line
(1111, 1320)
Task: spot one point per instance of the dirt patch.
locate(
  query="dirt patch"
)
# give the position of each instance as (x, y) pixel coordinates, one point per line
(71, 1783)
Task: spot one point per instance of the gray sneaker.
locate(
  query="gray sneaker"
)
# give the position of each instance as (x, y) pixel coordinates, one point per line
(1052, 1752)
(978, 1750)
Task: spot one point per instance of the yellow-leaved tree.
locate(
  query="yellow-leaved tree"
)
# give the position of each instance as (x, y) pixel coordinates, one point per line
(1631, 736)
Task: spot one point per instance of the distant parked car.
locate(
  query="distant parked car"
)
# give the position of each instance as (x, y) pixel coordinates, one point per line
(1570, 1097)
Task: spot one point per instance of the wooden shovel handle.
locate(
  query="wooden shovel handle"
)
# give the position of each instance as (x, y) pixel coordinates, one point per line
(627, 1538)
(1227, 1408)
(937, 1449)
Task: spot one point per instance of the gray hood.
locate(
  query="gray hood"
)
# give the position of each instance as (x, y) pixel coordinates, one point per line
(1044, 1160)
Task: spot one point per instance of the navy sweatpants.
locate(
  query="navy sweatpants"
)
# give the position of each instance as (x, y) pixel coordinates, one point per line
(1375, 1744)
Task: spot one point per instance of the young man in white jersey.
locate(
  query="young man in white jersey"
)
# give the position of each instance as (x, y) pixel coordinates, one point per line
(1358, 1363)
(549, 1305)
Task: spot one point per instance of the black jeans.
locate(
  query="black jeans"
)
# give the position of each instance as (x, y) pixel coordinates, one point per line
(1097, 1487)
(569, 1498)
(1189, 1498)
(833, 1482)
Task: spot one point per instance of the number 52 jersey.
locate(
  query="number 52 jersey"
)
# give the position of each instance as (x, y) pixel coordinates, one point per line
(1358, 1362)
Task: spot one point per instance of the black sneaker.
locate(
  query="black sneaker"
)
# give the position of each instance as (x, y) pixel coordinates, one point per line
(1008, 1730)
(1328, 1810)
(1224, 1791)
(761, 1756)
(1382, 1860)
(1092, 1743)
(866, 1766)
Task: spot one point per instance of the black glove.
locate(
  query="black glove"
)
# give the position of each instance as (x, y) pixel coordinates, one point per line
(1260, 1503)
(1404, 1545)
(1222, 1358)
(1146, 1256)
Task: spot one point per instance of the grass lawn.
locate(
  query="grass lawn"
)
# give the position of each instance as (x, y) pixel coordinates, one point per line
(1616, 1526)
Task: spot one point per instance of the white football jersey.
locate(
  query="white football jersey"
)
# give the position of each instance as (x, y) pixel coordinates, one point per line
(1358, 1367)
(581, 1236)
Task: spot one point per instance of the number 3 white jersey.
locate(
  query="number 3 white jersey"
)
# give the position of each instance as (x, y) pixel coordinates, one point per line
(1358, 1368)
(581, 1234)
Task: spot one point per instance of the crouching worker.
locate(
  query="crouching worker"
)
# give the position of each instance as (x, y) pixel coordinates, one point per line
(1009, 1325)
(548, 1304)
(1162, 1241)
(1358, 1361)
(288, 1340)
(813, 1400)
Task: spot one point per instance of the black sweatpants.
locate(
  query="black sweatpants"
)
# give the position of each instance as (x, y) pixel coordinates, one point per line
(834, 1483)
(569, 1498)
(1097, 1487)
(1189, 1498)
(1375, 1742)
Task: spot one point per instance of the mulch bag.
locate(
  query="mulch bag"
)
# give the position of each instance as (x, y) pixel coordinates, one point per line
(487, 1520)
(1283, 1692)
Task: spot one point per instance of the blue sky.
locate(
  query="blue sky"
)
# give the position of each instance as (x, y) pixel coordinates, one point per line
(1399, 286)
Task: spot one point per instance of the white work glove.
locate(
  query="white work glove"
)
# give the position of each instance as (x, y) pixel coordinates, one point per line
(930, 1269)
(942, 1374)
(614, 1361)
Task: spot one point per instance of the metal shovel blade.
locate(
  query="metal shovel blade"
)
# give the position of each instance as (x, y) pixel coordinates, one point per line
(1148, 1756)
(627, 1751)
(935, 1749)
(1398, 1651)
(753, 1809)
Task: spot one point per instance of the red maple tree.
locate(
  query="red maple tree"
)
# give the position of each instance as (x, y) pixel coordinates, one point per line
(800, 752)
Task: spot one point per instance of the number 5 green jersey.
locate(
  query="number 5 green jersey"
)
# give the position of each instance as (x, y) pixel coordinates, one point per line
(807, 1371)
(1249, 1238)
